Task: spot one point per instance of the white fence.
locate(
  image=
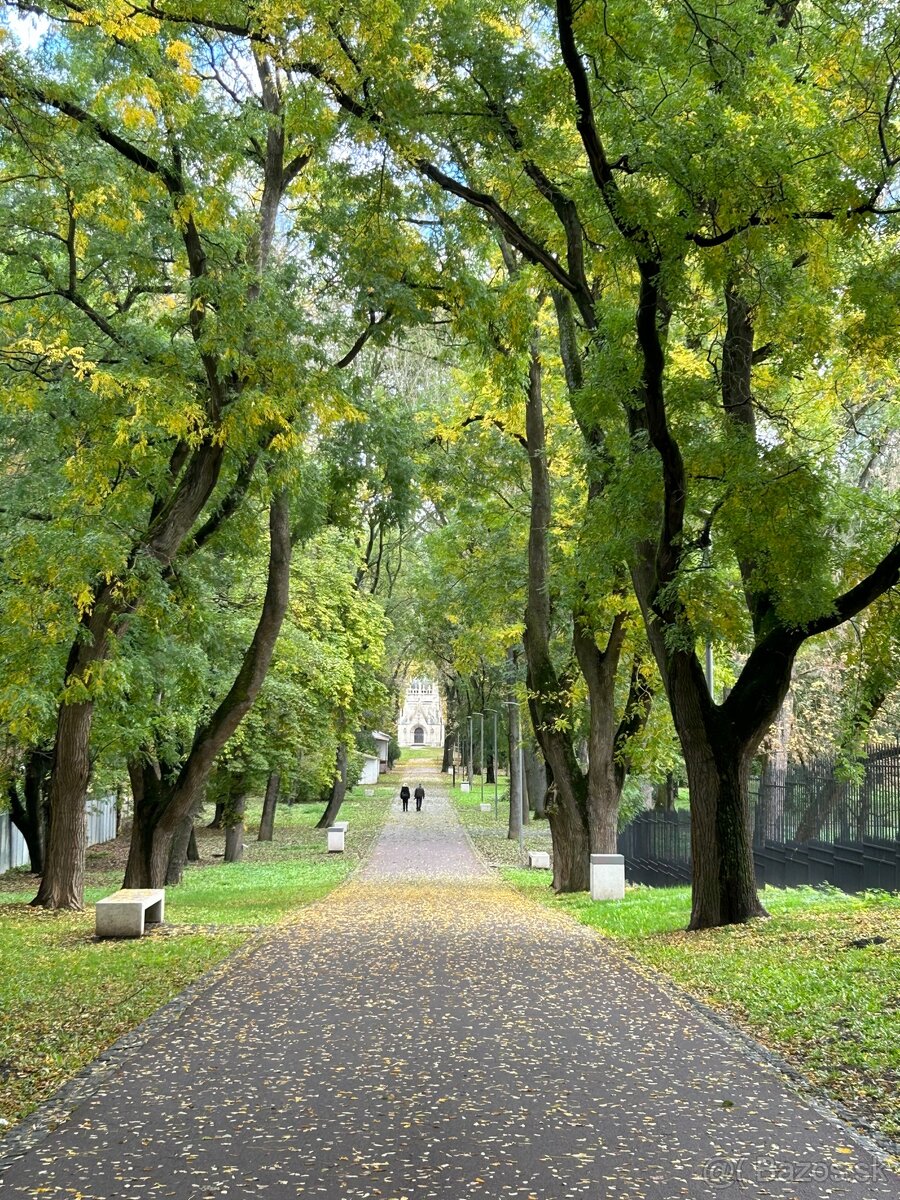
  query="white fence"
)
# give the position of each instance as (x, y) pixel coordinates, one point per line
(101, 827)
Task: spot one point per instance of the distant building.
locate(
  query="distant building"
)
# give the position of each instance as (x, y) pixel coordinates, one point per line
(421, 721)
(382, 743)
(370, 769)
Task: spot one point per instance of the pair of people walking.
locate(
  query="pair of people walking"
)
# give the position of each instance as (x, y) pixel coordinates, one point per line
(419, 795)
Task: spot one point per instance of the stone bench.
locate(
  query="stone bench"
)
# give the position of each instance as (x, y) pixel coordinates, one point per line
(335, 840)
(607, 877)
(539, 860)
(125, 913)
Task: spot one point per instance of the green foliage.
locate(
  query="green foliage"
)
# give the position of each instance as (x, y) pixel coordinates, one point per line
(633, 800)
(432, 178)
(325, 676)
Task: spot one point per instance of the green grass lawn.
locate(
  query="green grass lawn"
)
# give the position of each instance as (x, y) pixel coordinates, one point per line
(417, 754)
(64, 996)
(489, 833)
(794, 981)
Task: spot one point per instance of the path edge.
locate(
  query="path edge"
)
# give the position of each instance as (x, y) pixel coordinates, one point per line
(28, 1133)
(883, 1148)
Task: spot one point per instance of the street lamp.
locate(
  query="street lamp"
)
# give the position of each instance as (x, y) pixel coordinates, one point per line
(481, 759)
(710, 671)
(521, 794)
(496, 799)
(470, 752)
(520, 750)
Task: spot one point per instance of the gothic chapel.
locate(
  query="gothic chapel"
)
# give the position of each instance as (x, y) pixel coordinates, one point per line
(421, 721)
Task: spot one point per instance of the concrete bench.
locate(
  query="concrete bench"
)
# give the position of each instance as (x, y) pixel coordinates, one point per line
(539, 860)
(335, 840)
(125, 913)
(607, 877)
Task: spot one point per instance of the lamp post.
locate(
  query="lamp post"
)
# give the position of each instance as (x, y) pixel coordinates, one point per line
(516, 751)
(521, 796)
(496, 798)
(470, 751)
(481, 758)
(710, 672)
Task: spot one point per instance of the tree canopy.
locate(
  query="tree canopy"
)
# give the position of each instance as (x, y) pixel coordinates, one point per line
(554, 341)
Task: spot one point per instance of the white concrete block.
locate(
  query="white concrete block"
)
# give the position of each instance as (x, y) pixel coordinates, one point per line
(335, 840)
(345, 825)
(126, 912)
(464, 786)
(484, 807)
(539, 860)
(607, 877)
(370, 791)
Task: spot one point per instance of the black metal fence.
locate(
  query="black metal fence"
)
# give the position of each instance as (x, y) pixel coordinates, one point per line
(812, 823)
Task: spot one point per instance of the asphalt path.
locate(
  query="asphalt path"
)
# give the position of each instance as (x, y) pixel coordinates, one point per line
(426, 1032)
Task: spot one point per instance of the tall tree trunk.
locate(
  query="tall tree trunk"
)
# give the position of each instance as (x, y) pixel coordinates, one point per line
(62, 885)
(516, 781)
(267, 821)
(447, 759)
(28, 810)
(193, 850)
(234, 822)
(491, 773)
(717, 756)
(535, 779)
(820, 809)
(665, 794)
(605, 775)
(718, 743)
(218, 816)
(146, 794)
(338, 789)
(865, 802)
(547, 693)
(720, 834)
(193, 475)
(178, 851)
(120, 804)
(182, 799)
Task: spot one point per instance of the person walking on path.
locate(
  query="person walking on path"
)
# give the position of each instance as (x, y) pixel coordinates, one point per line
(404, 796)
(420, 796)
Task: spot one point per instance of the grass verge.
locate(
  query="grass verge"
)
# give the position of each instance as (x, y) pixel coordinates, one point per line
(795, 982)
(64, 997)
(489, 831)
